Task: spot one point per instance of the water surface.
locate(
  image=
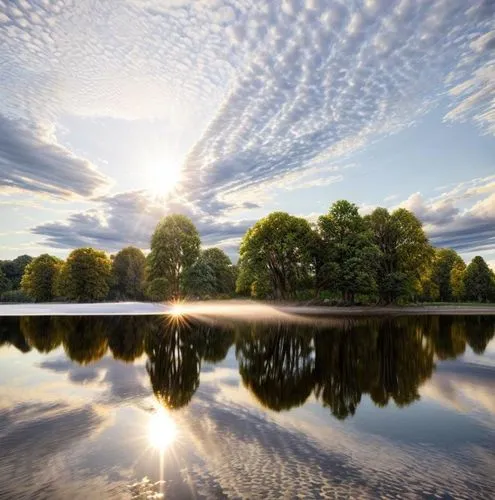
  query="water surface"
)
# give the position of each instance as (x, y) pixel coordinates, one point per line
(138, 407)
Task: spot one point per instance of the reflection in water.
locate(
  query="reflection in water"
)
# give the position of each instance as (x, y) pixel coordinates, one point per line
(282, 364)
(173, 361)
(162, 429)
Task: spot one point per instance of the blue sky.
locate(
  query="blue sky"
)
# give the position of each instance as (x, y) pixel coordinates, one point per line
(115, 113)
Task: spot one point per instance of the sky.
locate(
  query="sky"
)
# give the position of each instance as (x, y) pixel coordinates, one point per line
(116, 113)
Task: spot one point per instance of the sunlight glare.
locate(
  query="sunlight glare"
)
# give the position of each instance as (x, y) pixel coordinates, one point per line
(163, 176)
(162, 430)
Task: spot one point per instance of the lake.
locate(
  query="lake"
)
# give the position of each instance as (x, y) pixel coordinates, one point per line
(218, 407)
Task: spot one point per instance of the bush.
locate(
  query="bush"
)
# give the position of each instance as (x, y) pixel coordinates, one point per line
(15, 296)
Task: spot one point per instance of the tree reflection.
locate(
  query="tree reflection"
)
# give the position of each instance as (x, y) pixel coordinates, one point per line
(84, 337)
(479, 330)
(276, 363)
(216, 342)
(126, 337)
(174, 361)
(41, 333)
(10, 334)
(342, 361)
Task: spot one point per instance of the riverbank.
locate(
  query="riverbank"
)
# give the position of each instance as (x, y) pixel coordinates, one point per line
(237, 308)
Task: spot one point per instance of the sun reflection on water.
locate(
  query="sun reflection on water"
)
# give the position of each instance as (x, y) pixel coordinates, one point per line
(162, 430)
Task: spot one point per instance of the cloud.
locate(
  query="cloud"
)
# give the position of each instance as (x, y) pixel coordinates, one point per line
(322, 79)
(130, 218)
(30, 160)
(449, 224)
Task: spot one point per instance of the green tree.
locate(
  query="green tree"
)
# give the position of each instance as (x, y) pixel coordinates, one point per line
(222, 268)
(457, 280)
(443, 262)
(39, 277)
(404, 252)
(175, 247)
(279, 246)
(479, 281)
(199, 280)
(158, 290)
(14, 270)
(349, 255)
(4, 282)
(85, 275)
(128, 268)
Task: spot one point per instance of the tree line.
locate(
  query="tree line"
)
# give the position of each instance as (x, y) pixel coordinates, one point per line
(280, 363)
(384, 257)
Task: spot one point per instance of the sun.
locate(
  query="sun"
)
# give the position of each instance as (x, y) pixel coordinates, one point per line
(162, 430)
(163, 176)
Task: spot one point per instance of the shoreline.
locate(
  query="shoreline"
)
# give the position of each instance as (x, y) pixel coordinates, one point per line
(235, 308)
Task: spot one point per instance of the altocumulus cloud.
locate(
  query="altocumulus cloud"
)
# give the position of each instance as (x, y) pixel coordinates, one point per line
(31, 161)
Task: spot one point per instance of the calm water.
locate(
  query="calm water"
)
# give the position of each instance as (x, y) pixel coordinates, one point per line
(135, 407)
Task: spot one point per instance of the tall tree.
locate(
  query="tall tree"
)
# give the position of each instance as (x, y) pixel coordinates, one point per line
(128, 268)
(404, 251)
(39, 277)
(4, 282)
(457, 280)
(443, 262)
(14, 270)
(199, 280)
(221, 265)
(85, 275)
(479, 281)
(175, 246)
(349, 255)
(279, 246)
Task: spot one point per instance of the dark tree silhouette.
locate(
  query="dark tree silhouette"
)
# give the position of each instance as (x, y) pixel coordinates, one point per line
(10, 333)
(41, 333)
(126, 337)
(276, 364)
(174, 361)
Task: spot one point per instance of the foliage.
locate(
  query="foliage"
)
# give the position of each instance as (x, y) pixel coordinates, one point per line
(279, 246)
(4, 282)
(479, 281)
(128, 274)
(348, 255)
(39, 277)
(223, 271)
(175, 246)
(404, 252)
(199, 280)
(158, 290)
(15, 296)
(14, 269)
(457, 280)
(444, 261)
(85, 276)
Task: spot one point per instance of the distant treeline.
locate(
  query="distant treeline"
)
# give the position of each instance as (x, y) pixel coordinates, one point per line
(281, 363)
(344, 258)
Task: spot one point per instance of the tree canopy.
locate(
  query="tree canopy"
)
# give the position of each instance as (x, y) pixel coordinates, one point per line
(38, 281)
(85, 275)
(279, 246)
(175, 247)
(128, 274)
(479, 281)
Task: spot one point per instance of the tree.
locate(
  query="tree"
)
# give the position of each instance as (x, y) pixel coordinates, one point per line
(126, 336)
(348, 254)
(223, 271)
(85, 275)
(39, 277)
(279, 246)
(41, 333)
(404, 251)
(128, 268)
(457, 280)
(158, 290)
(175, 246)
(199, 280)
(14, 270)
(443, 262)
(4, 282)
(479, 281)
